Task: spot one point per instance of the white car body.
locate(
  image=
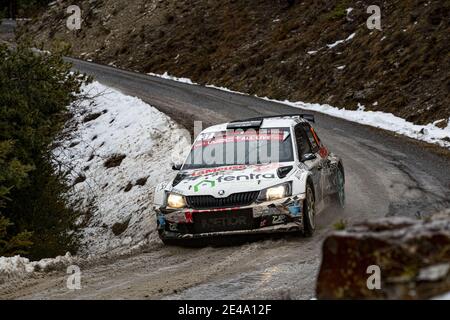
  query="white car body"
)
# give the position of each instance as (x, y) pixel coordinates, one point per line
(218, 198)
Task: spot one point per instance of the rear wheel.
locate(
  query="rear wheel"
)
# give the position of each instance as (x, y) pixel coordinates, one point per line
(309, 212)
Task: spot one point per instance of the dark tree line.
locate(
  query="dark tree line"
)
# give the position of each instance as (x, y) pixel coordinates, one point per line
(13, 8)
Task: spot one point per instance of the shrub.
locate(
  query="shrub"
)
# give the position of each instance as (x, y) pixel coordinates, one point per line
(340, 225)
(339, 11)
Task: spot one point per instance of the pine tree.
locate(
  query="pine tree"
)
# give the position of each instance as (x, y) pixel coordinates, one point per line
(12, 174)
(35, 90)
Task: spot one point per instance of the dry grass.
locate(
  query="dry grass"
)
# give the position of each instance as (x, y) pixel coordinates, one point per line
(262, 49)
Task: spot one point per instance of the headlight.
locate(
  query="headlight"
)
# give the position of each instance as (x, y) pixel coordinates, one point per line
(176, 201)
(275, 193)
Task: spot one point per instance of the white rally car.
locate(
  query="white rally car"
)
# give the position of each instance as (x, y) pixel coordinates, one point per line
(260, 175)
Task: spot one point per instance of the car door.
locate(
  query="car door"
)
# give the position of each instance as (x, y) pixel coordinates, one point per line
(322, 152)
(328, 170)
(305, 147)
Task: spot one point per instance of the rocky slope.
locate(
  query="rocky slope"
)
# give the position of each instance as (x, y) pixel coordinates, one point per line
(269, 48)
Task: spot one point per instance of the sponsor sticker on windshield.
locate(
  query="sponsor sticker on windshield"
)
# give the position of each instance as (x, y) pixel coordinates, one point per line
(239, 138)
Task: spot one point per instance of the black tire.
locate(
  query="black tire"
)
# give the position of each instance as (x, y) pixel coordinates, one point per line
(194, 243)
(167, 242)
(171, 242)
(309, 212)
(338, 199)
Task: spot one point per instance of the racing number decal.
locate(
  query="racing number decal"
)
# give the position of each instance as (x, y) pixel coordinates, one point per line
(277, 219)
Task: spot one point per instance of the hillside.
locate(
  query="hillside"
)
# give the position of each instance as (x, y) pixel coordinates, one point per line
(268, 48)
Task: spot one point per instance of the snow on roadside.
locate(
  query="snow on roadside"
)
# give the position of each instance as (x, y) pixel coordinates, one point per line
(387, 121)
(17, 266)
(110, 123)
(429, 133)
(169, 77)
(445, 296)
(119, 148)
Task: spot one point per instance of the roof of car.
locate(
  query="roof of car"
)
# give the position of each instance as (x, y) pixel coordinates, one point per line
(281, 122)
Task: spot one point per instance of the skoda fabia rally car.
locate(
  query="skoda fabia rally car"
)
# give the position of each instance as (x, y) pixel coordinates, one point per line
(260, 175)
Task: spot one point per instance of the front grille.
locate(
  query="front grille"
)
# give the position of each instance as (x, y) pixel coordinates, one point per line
(233, 200)
(230, 220)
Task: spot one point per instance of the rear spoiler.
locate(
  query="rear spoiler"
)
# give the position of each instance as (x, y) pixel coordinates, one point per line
(257, 121)
(244, 124)
(308, 117)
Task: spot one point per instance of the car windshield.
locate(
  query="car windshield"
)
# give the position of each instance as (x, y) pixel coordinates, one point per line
(240, 147)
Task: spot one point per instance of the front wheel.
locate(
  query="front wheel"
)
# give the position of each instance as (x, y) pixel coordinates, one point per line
(309, 212)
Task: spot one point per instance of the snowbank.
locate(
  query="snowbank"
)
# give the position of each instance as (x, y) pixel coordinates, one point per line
(387, 121)
(169, 77)
(116, 198)
(117, 149)
(17, 267)
(429, 133)
(443, 297)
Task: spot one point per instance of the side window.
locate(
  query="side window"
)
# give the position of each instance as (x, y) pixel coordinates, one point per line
(302, 141)
(311, 139)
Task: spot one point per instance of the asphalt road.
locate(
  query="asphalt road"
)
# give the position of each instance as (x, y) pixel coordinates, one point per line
(386, 175)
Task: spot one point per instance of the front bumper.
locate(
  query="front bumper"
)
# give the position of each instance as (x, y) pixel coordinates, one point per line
(284, 215)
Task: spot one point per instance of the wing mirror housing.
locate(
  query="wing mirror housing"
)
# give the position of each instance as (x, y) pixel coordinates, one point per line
(283, 171)
(308, 156)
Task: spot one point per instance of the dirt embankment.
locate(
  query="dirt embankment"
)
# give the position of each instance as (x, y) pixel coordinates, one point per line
(271, 49)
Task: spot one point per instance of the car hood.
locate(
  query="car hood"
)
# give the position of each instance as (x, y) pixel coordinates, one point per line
(223, 181)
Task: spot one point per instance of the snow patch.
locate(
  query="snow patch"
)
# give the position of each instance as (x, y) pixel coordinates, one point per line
(387, 121)
(332, 45)
(117, 150)
(445, 296)
(18, 267)
(169, 77)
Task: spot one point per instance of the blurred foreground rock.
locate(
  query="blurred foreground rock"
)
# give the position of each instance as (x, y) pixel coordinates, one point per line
(413, 258)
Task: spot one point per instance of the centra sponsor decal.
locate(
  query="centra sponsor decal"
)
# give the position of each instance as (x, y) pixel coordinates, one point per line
(230, 178)
(243, 177)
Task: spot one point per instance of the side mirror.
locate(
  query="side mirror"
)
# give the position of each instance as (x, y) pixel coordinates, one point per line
(176, 166)
(308, 156)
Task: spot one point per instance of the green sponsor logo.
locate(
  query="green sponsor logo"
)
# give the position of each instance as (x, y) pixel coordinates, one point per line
(204, 183)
